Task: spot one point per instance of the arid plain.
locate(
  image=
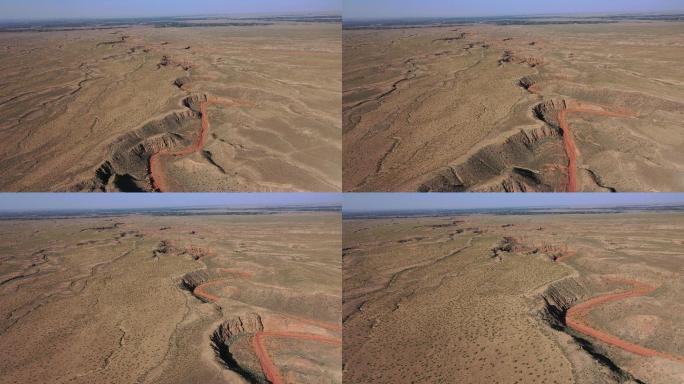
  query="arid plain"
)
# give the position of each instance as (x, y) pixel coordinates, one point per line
(210, 297)
(595, 105)
(543, 298)
(185, 105)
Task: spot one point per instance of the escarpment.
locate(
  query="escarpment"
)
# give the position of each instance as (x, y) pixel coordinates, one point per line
(548, 111)
(126, 167)
(232, 343)
(528, 81)
(558, 298)
(508, 166)
(532, 160)
(194, 279)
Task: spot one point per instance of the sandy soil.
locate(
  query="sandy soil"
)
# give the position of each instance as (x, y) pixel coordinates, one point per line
(87, 110)
(172, 299)
(550, 298)
(514, 108)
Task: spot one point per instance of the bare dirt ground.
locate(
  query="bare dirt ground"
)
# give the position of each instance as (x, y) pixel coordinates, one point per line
(172, 299)
(514, 108)
(222, 108)
(548, 298)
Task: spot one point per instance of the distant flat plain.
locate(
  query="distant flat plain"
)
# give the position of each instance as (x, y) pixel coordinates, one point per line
(521, 105)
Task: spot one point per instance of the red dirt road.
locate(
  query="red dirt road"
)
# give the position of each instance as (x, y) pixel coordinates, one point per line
(268, 367)
(270, 370)
(203, 294)
(568, 140)
(576, 319)
(159, 182)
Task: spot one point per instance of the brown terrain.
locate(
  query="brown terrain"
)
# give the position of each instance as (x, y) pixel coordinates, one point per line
(543, 298)
(209, 297)
(554, 107)
(239, 107)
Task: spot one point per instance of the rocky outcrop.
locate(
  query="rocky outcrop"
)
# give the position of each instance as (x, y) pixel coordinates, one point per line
(228, 341)
(548, 111)
(194, 102)
(558, 298)
(527, 81)
(512, 57)
(163, 248)
(498, 167)
(166, 62)
(553, 251)
(508, 244)
(181, 81)
(194, 279)
(126, 167)
(250, 323)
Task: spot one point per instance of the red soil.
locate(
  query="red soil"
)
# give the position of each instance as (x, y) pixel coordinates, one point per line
(569, 142)
(570, 150)
(201, 291)
(268, 367)
(534, 88)
(157, 178)
(576, 319)
(270, 370)
(243, 274)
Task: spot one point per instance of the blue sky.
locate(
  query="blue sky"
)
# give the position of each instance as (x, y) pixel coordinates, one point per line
(56, 201)
(466, 8)
(46, 9)
(393, 201)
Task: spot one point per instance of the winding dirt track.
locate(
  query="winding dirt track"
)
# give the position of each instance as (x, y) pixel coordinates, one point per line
(157, 177)
(270, 370)
(569, 142)
(268, 367)
(201, 292)
(576, 319)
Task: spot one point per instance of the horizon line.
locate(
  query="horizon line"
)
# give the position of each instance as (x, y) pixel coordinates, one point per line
(648, 204)
(192, 206)
(152, 17)
(370, 18)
